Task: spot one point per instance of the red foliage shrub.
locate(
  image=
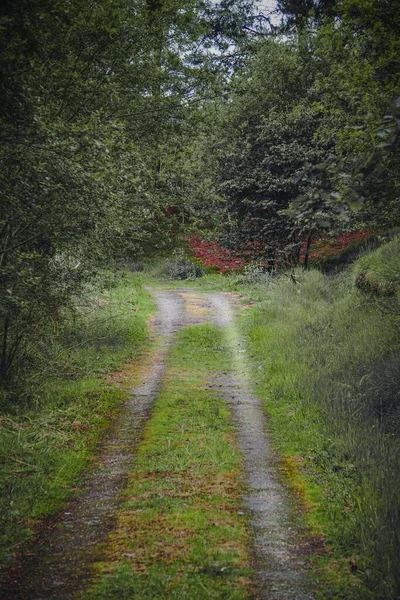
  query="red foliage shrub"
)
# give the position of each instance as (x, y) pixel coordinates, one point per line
(221, 260)
(215, 256)
(324, 247)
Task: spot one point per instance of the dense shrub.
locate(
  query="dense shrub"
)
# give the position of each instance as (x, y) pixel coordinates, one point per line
(214, 256)
(180, 269)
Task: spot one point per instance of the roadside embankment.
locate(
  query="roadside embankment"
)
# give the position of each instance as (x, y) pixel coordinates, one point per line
(326, 357)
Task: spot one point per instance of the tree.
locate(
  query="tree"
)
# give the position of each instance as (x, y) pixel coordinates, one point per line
(96, 97)
(272, 125)
(358, 86)
(300, 12)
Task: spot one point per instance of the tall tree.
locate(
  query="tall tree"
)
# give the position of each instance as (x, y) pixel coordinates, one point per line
(95, 95)
(270, 132)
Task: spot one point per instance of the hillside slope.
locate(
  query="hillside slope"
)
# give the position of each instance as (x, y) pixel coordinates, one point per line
(328, 363)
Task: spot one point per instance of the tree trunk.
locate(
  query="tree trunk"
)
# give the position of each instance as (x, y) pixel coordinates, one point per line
(307, 254)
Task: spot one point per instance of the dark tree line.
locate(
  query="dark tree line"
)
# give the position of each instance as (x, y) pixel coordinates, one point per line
(94, 120)
(124, 123)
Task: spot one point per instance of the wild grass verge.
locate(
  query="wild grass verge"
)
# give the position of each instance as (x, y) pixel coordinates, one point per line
(52, 417)
(180, 532)
(327, 360)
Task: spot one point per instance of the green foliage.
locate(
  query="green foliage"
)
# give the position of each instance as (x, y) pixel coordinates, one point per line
(299, 12)
(180, 269)
(309, 142)
(379, 272)
(117, 137)
(272, 125)
(358, 87)
(94, 130)
(59, 157)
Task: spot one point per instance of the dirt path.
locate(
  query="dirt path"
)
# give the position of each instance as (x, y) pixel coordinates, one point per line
(60, 564)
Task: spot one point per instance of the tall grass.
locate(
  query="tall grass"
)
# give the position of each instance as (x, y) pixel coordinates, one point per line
(328, 357)
(55, 408)
(380, 270)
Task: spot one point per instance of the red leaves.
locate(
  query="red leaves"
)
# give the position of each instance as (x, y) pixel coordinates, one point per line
(324, 247)
(221, 260)
(215, 256)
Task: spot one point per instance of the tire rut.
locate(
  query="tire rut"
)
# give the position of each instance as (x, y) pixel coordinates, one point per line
(278, 563)
(58, 564)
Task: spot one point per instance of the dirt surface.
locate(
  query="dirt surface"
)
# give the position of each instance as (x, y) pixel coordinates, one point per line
(59, 564)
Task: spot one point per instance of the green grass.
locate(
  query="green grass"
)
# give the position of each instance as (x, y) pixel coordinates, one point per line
(49, 432)
(180, 532)
(328, 367)
(380, 270)
(326, 361)
(202, 348)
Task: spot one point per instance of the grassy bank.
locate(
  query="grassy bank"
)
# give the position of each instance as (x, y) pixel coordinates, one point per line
(52, 417)
(326, 357)
(180, 532)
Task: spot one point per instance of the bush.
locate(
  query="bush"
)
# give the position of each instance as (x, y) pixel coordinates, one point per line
(180, 269)
(255, 274)
(134, 266)
(215, 257)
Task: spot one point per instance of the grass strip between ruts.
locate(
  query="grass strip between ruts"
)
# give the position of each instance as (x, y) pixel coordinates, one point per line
(181, 532)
